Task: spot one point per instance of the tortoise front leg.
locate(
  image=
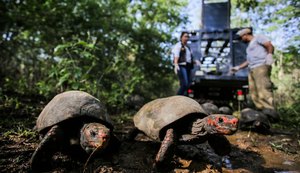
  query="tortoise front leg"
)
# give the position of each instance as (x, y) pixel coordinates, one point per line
(44, 152)
(166, 150)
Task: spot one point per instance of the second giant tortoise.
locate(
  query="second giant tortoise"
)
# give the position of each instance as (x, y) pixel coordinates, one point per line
(182, 120)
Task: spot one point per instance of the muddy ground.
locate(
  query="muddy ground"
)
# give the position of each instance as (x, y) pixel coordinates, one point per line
(251, 152)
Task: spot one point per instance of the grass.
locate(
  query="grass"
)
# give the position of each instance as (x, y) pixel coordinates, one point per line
(20, 132)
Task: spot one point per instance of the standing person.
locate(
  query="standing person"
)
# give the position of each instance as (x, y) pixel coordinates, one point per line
(183, 63)
(259, 60)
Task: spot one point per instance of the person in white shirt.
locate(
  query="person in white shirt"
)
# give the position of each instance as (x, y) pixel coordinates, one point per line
(183, 63)
(259, 60)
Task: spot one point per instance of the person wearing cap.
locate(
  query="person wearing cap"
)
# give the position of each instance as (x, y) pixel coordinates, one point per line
(259, 60)
(183, 63)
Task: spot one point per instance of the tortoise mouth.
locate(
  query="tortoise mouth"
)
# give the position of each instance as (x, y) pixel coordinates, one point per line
(103, 142)
(93, 146)
(227, 130)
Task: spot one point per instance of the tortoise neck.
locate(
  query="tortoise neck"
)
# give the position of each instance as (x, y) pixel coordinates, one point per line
(199, 127)
(83, 141)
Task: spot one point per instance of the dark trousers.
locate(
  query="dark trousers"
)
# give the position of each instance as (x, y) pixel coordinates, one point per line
(184, 75)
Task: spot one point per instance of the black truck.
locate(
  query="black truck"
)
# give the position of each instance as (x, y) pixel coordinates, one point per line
(218, 48)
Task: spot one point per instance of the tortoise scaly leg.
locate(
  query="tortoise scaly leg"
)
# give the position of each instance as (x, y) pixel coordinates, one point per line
(44, 152)
(166, 150)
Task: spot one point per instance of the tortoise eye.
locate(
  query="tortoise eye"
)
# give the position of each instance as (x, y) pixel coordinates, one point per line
(221, 120)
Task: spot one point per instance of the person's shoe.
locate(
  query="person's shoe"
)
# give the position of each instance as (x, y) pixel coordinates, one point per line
(272, 115)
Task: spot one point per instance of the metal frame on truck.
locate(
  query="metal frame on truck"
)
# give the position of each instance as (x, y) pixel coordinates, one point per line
(218, 49)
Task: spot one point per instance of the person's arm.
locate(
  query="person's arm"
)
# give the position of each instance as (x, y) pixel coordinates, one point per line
(176, 60)
(244, 65)
(176, 52)
(176, 66)
(270, 49)
(241, 66)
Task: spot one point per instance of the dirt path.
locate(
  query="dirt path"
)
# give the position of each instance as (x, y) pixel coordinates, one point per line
(251, 152)
(264, 153)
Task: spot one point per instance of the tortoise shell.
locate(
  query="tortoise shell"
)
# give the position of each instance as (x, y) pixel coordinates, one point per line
(159, 113)
(210, 108)
(70, 105)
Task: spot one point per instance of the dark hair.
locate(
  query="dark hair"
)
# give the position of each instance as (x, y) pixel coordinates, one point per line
(182, 33)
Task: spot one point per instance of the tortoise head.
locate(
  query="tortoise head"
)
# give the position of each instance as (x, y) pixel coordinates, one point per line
(221, 124)
(94, 136)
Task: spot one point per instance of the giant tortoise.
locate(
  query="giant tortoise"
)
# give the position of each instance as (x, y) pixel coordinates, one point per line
(74, 122)
(182, 120)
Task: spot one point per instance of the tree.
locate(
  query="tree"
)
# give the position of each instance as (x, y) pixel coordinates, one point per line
(111, 49)
(280, 19)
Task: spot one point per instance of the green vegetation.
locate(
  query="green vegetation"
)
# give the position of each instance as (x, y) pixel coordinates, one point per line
(111, 49)
(114, 50)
